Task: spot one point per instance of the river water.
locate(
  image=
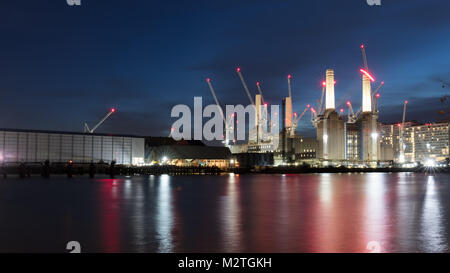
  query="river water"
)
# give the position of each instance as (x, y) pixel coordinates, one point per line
(387, 212)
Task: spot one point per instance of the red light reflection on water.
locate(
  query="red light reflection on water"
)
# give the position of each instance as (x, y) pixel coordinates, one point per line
(110, 214)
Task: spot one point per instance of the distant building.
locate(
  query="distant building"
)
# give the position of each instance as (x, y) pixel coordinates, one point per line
(352, 148)
(422, 142)
(305, 147)
(37, 146)
(166, 150)
(250, 160)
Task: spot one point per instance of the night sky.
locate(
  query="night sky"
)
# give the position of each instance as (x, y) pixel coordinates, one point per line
(61, 66)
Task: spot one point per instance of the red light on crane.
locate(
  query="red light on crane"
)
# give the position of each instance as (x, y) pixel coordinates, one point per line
(362, 46)
(313, 110)
(406, 102)
(307, 106)
(238, 69)
(113, 110)
(349, 103)
(208, 79)
(367, 74)
(377, 95)
(324, 83)
(289, 76)
(257, 83)
(382, 83)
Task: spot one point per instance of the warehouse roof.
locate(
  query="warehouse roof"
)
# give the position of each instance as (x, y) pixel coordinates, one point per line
(64, 132)
(188, 152)
(160, 141)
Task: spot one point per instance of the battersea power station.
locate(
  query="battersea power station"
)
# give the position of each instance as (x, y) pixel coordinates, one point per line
(350, 140)
(354, 139)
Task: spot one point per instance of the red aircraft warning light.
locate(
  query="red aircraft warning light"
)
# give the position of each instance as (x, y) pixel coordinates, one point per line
(324, 83)
(307, 106)
(406, 102)
(377, 95)
(348, 103)
(208, 79)
(289, 76)
(257, 83)
(341, 110)
(365, 72)
(113, 110)
(238, 69)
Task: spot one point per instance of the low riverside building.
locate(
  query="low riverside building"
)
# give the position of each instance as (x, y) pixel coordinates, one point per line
(186, 153)
(37, 146)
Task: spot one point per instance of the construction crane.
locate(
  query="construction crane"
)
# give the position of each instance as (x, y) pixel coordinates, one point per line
(376, 89)
(324, 84)
(351, 114)
(266, 110)
(227, 126)
(208, 81)
(91, 131)
(298, 118)
(367, 79)
(363, 51)
(290, 127)
(238, 70)
(374, 96)
(314, 118)
(375, 102)
(258, 85)
(289, 85)
(358, 112)
(401, 133)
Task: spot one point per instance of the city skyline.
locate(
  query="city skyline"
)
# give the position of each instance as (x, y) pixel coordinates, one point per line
(63, 66)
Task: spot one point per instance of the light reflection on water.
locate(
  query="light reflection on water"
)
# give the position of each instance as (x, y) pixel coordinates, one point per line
(432, 231)
(164, 214)
(403, 212)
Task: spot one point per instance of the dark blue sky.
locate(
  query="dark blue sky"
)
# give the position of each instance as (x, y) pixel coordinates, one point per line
(61, 65)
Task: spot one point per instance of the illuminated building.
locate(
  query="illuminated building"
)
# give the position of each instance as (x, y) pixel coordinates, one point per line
(186, 153)
(37, 146)
(352, 141)
(422, 141)
(305, 148)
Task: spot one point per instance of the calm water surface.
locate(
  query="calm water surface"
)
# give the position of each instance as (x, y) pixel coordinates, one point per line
(404, 212)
